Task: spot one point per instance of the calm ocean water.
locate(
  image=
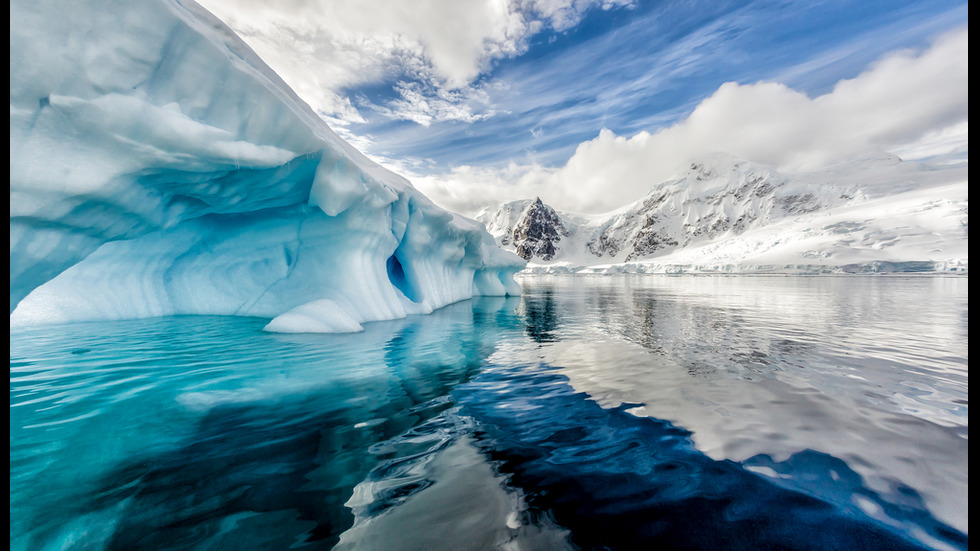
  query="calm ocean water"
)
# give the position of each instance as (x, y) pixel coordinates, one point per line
(623, 412)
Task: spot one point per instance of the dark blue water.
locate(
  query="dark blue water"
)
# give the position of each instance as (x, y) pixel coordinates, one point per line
(591, 413)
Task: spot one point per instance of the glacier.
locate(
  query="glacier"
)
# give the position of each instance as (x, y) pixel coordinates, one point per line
(158, 167)
(873, 213)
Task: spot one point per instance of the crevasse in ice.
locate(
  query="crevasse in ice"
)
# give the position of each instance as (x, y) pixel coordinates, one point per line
(159, 167)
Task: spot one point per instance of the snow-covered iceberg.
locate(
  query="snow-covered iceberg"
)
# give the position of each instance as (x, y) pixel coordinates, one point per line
(159, 167)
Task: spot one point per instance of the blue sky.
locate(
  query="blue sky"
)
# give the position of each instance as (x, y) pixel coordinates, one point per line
(481, 101)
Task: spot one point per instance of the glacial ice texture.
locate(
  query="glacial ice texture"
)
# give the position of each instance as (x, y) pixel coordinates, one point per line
(159, 167)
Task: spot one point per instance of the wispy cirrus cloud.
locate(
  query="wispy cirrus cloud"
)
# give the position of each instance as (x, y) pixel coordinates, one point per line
(587, 104)
(649, 71)
(432, 51)
(915, 102)
(424, 103)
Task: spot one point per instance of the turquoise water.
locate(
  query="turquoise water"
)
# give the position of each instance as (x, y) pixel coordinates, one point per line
(626, 412)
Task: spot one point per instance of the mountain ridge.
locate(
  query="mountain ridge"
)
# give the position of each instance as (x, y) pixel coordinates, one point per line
(722, 214)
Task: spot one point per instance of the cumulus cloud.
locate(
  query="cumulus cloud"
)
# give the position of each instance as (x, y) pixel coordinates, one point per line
(433, 49)
(468, 189)
(908, 102)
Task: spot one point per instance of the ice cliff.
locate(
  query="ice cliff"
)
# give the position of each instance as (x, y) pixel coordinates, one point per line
(159, 167)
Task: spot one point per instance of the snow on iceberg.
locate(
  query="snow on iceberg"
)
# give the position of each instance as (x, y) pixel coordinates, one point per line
(159, 167)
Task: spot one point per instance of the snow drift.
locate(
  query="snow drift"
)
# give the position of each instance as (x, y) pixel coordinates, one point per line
(159, 167)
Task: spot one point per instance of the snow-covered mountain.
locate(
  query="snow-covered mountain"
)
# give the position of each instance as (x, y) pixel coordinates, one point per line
(159, 167)
(875, 213)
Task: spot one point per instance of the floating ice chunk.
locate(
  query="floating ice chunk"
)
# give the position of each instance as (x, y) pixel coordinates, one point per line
(318, 316)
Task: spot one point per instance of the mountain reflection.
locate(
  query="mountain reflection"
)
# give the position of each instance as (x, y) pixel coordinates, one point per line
(591, 413)
(625, 482)
(541, 316)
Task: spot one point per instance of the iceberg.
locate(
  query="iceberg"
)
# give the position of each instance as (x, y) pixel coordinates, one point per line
(158, 167)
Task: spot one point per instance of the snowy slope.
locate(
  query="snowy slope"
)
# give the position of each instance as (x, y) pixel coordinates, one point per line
(875, 213)
(159, 167)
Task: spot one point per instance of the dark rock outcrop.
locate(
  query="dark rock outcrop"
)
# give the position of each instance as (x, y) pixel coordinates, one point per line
(538, 232)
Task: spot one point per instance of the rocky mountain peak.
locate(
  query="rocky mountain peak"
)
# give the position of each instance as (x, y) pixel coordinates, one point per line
(708, 203)
(538, 232)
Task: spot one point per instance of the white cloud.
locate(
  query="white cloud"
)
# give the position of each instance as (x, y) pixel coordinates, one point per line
(424, 104)
(949, 144)
(322, 47)
(467, 189)
(434, 51)
(565, 14)
(907, 102)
